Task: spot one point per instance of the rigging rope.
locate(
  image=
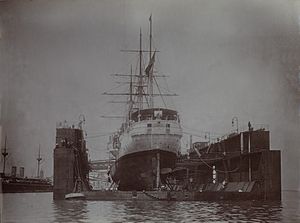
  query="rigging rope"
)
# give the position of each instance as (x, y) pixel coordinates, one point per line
(220, 171)
(100, 135)
(160, 92)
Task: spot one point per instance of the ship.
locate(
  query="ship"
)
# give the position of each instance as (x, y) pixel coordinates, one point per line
(13, 183)
(147, 144)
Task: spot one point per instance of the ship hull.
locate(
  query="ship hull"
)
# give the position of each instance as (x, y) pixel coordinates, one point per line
(150, 144)
(25, 186)
(138, 171)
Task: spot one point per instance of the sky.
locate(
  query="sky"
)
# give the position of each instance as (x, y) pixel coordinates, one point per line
(224, 59)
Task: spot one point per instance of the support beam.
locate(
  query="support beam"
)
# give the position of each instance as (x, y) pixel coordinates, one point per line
(157, 170)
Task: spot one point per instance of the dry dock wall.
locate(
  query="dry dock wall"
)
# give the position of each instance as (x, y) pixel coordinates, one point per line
(271, 171)
(243, 157)
(64, 160)
(70, 162)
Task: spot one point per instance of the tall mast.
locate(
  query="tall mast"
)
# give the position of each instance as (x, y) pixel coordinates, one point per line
(130, 87)
(150, 37)
(130, 96)
(4, 154)
(39, 159)
(140, 82)
(151, 103)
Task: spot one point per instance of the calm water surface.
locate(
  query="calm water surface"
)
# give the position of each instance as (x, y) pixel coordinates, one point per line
(39, 207)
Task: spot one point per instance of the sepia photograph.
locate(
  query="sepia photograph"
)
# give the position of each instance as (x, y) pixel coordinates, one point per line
(149, 111)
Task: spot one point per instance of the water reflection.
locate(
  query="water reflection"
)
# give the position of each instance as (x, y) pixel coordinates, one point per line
(70, 211)
(250, 211)
(41, 208)
(154, 211)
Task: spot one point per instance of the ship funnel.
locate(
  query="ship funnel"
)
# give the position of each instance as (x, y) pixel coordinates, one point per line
(22, 170)
(13, 171)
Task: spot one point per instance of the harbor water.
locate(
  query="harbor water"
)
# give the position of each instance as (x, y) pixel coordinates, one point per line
(40, 207)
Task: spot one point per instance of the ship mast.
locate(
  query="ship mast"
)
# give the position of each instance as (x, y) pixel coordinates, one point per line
(151, 102)
(150, 37)
(130, 96)
(4, 154)
(39, 159)
(140, 78)
(137, 92)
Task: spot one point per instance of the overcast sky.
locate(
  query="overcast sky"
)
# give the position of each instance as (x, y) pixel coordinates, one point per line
(223, 58)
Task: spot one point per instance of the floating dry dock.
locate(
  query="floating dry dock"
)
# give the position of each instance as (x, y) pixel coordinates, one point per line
(233, 191)
(238, 167)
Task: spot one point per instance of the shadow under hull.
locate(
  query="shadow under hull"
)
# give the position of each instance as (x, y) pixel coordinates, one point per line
(138, 171)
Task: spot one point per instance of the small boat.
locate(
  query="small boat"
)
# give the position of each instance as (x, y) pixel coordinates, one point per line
(75, 196)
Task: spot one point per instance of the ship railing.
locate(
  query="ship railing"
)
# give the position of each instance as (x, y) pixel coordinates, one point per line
(66, 125)
(255, 127)
(244, 128)
(155, 128)
(154, 121)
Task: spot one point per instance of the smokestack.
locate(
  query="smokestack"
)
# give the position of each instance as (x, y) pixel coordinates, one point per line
(13, 171)
(22, 170)
(41, 174)
(191, 142)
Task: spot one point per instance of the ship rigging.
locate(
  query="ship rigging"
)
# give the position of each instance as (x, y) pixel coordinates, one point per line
(141, 85)
(149, 140)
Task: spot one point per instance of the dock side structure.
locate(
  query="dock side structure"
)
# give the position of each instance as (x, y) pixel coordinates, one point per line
(71, 166)
(241, 165)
